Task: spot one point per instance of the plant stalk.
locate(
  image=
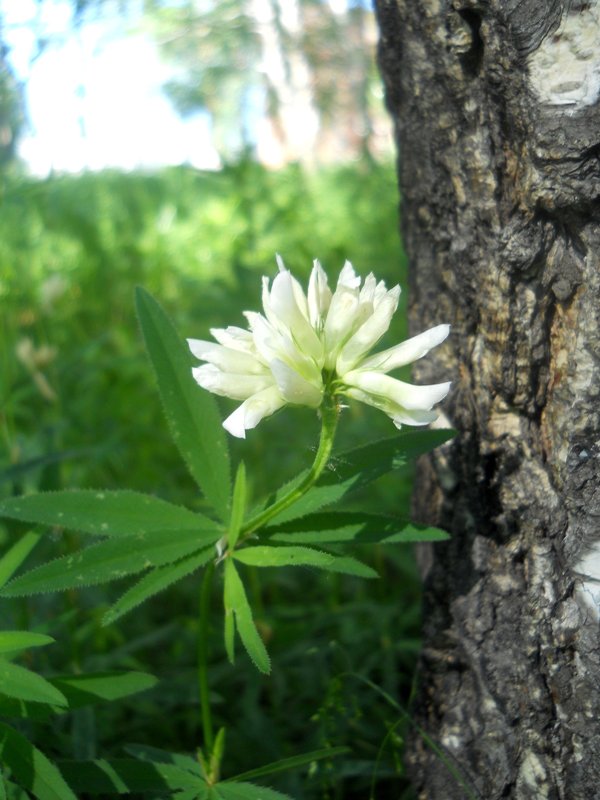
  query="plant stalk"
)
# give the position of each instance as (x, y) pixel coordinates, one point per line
(207, 726)
(329, 419)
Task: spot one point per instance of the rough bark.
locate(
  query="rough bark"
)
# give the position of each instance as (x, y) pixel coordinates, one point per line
(498, 129)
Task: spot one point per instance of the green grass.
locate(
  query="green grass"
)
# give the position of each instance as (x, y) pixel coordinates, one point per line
(78, 408)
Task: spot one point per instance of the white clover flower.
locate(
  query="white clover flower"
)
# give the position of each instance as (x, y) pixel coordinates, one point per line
(306, 347)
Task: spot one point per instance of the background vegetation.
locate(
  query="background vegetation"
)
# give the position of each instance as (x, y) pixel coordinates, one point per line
(78, 408)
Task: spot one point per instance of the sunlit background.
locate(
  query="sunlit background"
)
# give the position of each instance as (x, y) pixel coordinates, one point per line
(145, 84)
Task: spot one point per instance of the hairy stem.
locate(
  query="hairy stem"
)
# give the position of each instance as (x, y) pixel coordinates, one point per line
(207, 726)
(329, 418)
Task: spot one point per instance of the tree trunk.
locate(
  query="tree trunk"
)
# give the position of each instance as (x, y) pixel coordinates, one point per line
(498, 129)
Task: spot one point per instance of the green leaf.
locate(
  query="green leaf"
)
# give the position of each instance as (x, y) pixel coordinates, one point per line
(359, 467)
(236, 600)
(110, 560)
(191, 412)
(156, 581)
(102, 513)
(354, 527)
(293, 762)
(265, 556)
(348, 565)
(13, 558)
(385, 455)
(128, 775)
(2, 785)
(22, 640)
(21, 683)
(238, 506)
(156, 755)
(246, 791)
(93, 688)
(30, 768)
(229, 634)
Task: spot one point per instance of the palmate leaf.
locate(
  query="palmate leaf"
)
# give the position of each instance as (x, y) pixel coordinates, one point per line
(238, 506)
(245, 791)
(22, 640)
(80, 691)
(94, 688)
(22, 684)
(129, 775)
(359, 467)
(30, 768)
(353, 527)
(110, 560)
(265, 556)
(192, 413)
(13, 558)
(102, 513)
(293, 762)
(156, 581)
(236, 602)
(156, 755)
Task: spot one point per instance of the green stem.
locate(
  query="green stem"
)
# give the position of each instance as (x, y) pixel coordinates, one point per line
(329, 418)
(205, 592)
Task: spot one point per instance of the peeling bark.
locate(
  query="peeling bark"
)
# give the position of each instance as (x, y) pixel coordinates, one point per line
(496, 111)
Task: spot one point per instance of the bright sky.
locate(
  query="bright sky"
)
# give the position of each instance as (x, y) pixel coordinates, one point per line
(95, 100)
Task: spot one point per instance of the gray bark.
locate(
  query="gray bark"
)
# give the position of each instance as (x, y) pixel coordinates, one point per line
(496, 112)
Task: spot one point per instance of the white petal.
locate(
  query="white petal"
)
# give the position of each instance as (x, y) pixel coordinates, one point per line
(348, 277)
(265, 337)
(294, 388)
(408, 351)
(228, 384)
(252, 411)
(319, 296)
(369, 333)
(341, 321)
(407, 395)
(417, 417)
(289, 305)
(235, 338)
(399, 416)
(270, 345)
(367, 293)
(226, 358)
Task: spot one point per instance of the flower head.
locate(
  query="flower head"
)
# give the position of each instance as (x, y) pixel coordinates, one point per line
(307, 347)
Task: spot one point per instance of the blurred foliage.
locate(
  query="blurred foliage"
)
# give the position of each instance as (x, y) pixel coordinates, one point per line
(78, 408)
